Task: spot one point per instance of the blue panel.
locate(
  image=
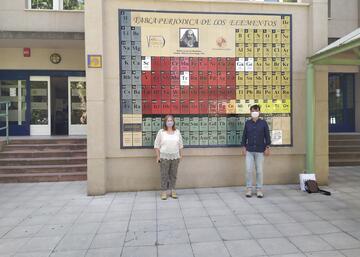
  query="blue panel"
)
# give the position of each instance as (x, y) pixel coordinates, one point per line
(136, 78)
(136, 106)
(126, 62)
(126, 92)
(125, 18)
(125, 33)
(126, 77)
(136, 34)
(136, 63)
(135, 48)
(136, 92)
(125, 48)
(126, 106)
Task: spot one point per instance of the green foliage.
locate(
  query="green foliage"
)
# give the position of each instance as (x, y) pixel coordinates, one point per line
(73, 4)
(42, 4)
(67, 4)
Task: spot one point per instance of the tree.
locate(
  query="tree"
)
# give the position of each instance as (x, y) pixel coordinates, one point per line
(42, 4)
(73, 4)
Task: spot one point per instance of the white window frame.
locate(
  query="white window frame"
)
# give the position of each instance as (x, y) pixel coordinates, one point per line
(75, 129)
(58, 5)
(39, 129)
(276, 1)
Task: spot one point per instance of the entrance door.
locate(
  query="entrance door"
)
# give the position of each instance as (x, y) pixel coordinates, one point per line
(77, 106)
(341, 102)
(59, 106)
(14, 91)
(40, 123)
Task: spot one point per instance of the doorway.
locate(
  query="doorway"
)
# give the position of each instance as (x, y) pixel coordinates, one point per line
(341, 102)
(59, 106)
(40, 122)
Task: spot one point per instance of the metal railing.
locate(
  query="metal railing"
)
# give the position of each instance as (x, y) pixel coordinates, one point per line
(6, 115)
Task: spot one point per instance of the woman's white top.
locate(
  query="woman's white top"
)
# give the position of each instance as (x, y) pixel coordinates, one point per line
(169, 144)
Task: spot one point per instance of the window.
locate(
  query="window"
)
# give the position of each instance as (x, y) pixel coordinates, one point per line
(341, 102)
(332, 40)
(57, 4)
(278, 1)
(73, 4)
(39, 103)
(329, 8)
(78, 102)
(42, 4)
(14, 91)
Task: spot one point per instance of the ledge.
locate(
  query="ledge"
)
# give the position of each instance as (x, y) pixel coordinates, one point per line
(42, 35)
(238, 2)
(55, 11)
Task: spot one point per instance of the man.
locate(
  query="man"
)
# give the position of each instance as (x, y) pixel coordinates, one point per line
(255, 144)
(189, 39)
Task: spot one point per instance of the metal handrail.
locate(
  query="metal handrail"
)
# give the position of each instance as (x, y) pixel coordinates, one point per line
(6, 115)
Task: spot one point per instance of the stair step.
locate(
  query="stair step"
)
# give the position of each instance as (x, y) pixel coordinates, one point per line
(32, 159)
(42, 161)
(44, 147)
(344, 142)
(42, 177)
(38, 154)
(344, 155)
(48, 141)
(342, 162)
(344, 136)
(344, 148)
(28, 169)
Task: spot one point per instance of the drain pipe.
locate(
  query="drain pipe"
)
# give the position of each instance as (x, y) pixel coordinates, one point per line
(310, 118)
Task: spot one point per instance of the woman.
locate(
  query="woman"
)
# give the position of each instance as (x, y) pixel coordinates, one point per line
(168, 147)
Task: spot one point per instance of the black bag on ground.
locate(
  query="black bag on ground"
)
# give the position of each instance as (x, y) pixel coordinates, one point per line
(311, 186)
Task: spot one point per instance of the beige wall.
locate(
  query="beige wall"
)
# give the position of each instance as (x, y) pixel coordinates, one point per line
(113, 169)
(344, 17)
(12, 58)
(14, 16)
(318, 38)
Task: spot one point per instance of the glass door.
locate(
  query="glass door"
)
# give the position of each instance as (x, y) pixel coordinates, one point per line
(40, 123)
(14, 91)
(77, 106)
(341, 102)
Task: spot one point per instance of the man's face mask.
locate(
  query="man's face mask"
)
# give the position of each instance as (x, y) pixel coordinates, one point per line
(255, 114)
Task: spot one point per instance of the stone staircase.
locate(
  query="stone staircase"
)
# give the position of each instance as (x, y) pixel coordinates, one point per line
(43, 160)
(344, 149)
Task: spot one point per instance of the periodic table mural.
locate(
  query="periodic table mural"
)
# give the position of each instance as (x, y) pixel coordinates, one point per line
(206, 69)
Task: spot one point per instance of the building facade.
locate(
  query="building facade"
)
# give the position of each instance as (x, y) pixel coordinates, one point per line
(42, 70)
(343, 80)
(140, 66)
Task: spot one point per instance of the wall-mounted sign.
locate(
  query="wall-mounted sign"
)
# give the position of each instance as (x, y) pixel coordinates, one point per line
(12, 92)
(27, 52)
(55, 58)
(94, 61)
(207, 69)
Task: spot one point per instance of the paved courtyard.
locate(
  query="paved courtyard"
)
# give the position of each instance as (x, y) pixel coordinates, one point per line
(58, 220)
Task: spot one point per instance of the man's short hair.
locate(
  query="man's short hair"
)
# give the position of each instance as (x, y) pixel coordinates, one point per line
(255, 107)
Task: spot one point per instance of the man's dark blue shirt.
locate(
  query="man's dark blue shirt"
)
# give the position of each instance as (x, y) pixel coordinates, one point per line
(256, 136)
